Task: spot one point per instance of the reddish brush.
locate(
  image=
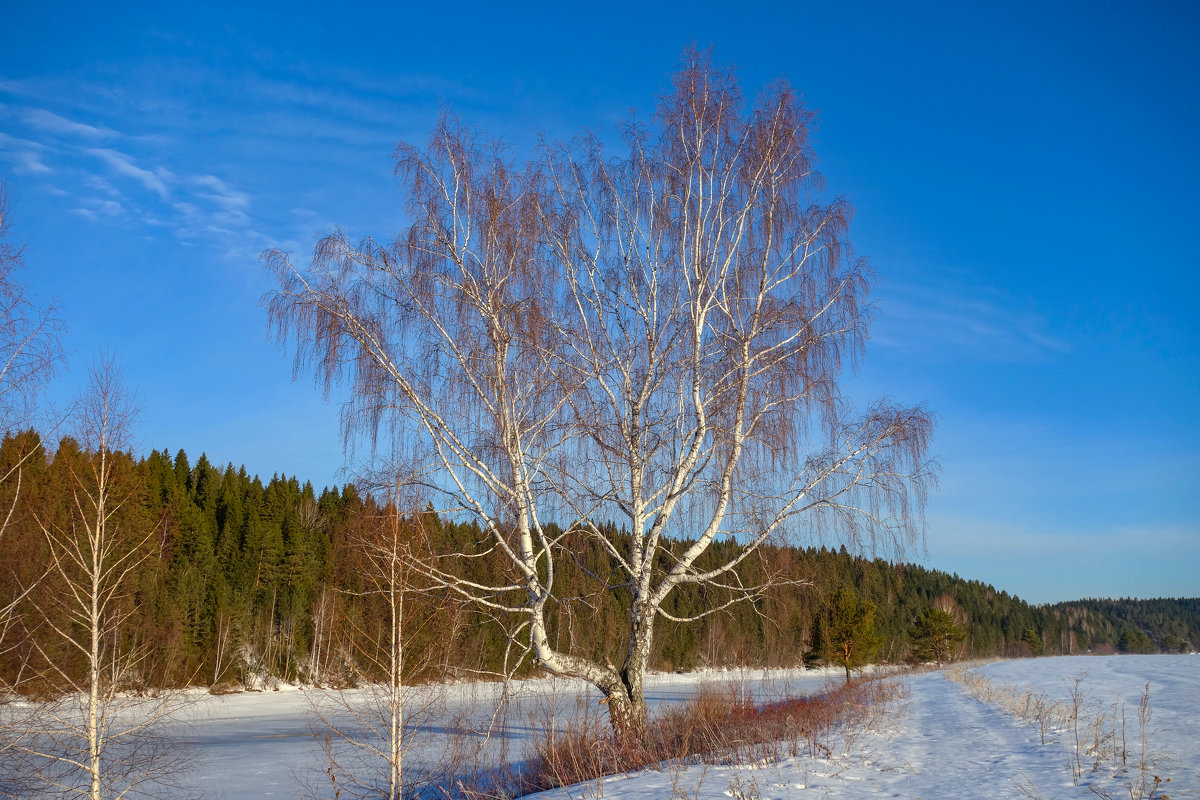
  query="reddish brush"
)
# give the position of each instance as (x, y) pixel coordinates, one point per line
(719, 725)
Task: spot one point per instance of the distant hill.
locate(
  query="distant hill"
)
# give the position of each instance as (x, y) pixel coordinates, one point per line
(1130, 625)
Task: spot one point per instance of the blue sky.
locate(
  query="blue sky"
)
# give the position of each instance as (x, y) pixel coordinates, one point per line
(1026, 178)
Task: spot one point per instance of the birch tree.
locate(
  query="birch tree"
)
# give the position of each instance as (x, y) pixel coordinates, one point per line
(656, 338)
(94, 740)
(367, 733)
(30, 354)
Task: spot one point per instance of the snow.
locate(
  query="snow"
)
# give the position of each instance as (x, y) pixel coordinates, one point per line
(938, 742)
(261, 744)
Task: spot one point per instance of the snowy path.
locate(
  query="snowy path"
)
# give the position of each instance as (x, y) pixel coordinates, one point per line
(941, 744)
(950, 745)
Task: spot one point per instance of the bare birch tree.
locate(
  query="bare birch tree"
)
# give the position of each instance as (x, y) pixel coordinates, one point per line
(29, 334)
(29, 356)
(657, 338)
(369, 731)
(94, 740)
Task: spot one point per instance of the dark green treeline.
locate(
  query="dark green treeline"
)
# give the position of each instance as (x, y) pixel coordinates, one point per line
(246, 579)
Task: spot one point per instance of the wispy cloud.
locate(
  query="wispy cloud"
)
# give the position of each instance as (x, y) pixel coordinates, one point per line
(29, 161)
(113, 176)
(124, 165)
(129, 187)
(26, 155)
(100, 184)
(50, 122)
(221, 193)
(366, 98)
(409, 84)
(982, 324)
(108, 208)
(97, 210)
(194, 208)
(16, 87)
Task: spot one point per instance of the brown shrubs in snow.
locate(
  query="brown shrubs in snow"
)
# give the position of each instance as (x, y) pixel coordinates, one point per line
(722, 725)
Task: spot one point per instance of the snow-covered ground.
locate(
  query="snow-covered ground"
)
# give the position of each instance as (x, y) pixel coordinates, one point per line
(261, 744)
(940, 742)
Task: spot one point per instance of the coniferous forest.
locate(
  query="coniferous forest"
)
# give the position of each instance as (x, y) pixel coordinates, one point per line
(247, 581)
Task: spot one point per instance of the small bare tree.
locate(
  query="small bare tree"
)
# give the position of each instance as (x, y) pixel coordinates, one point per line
(368, 732)
(30, 351)
(94, 740)
(30, 354)
(657, 338)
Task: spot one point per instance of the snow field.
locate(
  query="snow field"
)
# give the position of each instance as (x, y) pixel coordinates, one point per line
(261, 744)
(1107, 691)
(937, 742)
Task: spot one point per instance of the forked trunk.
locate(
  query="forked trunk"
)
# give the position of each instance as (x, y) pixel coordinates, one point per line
(627, 699)
(627, 708)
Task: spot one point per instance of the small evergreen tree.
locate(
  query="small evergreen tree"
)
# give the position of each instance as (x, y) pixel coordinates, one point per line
(853, 641)
(1135, 641)
(1034, 641)
(936, 637)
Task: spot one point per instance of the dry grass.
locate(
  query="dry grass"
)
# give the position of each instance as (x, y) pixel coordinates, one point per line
(1096, 738)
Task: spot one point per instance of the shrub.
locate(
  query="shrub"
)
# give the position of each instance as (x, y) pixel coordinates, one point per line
(718, 726)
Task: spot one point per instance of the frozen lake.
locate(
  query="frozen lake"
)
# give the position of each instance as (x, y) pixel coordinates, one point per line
(261, 744)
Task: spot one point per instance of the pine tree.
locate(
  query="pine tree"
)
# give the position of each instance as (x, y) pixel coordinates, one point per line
(936, 637)
(853, 641)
